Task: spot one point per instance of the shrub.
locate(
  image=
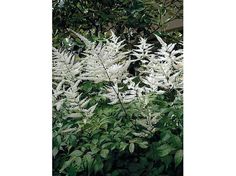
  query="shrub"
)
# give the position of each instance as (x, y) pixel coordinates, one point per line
(108, 121)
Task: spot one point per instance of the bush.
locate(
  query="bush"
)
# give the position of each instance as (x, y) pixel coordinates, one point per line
(110, 120)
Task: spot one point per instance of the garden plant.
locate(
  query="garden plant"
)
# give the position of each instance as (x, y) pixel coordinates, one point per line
(118, 107)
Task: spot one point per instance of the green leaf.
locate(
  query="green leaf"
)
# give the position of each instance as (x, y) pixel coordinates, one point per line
(165, 136)
(178, 157)
(95, 141)
(115, 173)
(167, 160)
(143, 144)
(104, 153)
(88, 159)
(66, 164)
(94, 149)
(108, 144)
(72, 140)
(58, 138)
(160, 169)
(98, 165)
(78, 161)
(177, 141)
(131, 147)
(54, 151)
(76, 153)
(164, 150)
(123, 146)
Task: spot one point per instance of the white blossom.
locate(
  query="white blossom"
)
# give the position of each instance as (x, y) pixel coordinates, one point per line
(162, 70)
(115, 95)
(144, 49)
(66, 80)
(106, 61)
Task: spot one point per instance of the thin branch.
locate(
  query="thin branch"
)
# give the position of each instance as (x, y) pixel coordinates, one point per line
(117, 93)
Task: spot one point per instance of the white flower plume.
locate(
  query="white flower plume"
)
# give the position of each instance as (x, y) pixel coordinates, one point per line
(114, 94)
(106, 61)
(162, 70)
(66, 80)
(144, 49)
(64, 66)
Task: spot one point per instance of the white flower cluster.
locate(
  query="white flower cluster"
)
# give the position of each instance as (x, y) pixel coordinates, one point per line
(108, 62)
(160, 71)
(66, 80)
(115, 94)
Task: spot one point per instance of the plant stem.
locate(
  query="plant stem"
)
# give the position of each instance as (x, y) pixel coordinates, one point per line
(117, 93)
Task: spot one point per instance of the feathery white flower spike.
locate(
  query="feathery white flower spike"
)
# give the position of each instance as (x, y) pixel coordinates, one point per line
(115, 95)
(144, 49)
(106, 61)
(66, 80)
(160, 71)
(161, 41)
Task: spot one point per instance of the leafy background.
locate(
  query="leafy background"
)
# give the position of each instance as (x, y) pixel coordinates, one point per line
(97, 17)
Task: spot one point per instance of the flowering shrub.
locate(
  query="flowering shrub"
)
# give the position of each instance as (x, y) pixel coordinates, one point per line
(107, 121)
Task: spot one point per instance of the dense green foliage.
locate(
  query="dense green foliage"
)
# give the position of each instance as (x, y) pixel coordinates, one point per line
(129, 18)
(107, 145)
